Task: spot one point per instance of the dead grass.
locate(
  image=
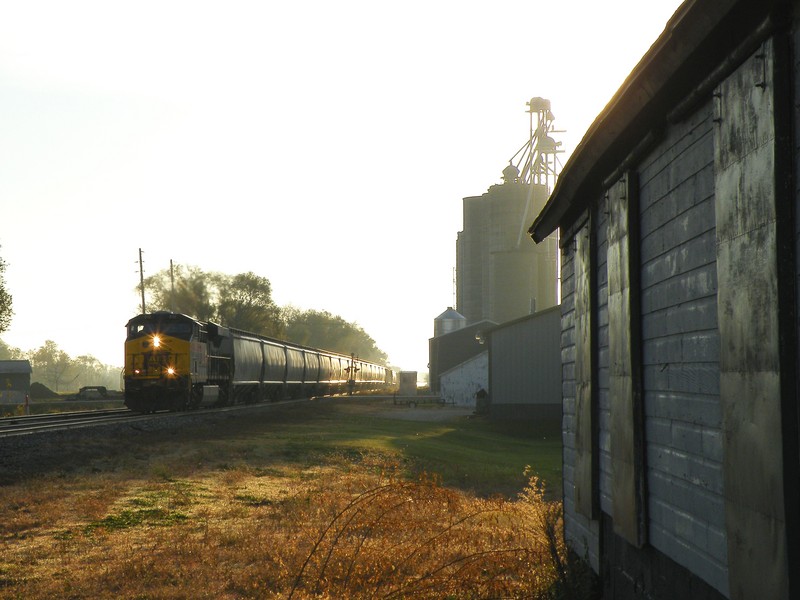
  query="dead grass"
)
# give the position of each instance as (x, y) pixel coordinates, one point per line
(183, 521)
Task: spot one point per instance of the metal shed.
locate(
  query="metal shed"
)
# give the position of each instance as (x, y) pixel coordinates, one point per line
(460, 384)
(525, 367)
(678, 215)
(15, 381)
(451, 349)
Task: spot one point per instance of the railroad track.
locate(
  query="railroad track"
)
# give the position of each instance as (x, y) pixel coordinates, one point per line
(21, 425)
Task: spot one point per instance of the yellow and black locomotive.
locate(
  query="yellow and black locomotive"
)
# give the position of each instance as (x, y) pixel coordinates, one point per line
(175, 362)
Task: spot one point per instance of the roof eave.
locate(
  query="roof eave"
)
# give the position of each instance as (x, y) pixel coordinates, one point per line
(700, 34)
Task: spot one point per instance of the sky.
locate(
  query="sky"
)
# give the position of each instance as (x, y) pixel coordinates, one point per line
(326, 146)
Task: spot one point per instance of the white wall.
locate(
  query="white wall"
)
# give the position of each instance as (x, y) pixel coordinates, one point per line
(459, 384)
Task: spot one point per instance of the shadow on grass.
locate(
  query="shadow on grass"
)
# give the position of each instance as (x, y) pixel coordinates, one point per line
(473, 454)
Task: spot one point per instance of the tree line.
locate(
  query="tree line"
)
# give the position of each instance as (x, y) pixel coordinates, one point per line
(242, 301)
(58, 371)
(5, 300)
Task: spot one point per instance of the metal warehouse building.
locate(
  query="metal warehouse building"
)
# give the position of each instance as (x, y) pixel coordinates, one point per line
(525, 368)
(679, 225)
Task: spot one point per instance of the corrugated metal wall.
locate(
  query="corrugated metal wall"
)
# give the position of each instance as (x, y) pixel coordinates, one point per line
(525, 368)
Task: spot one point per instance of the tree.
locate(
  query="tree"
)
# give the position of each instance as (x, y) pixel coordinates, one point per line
(321, 329)
(241, 301)
(51, 365)
(193, 292)
(9, 352)
(86, 367)
(5, 300)
(245, 302)
(87, 370)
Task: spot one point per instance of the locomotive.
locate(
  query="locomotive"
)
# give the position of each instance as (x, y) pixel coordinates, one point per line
(175, 362)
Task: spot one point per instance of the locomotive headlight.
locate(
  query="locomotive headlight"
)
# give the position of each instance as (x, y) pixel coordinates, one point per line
(170, 370)
(156, 341)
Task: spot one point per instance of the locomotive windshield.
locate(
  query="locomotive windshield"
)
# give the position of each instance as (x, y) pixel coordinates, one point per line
(179, 330)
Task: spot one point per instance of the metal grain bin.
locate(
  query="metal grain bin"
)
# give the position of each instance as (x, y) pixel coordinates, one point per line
(447, 322)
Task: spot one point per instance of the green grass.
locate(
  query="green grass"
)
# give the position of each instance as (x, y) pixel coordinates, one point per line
(132, 518)
(470, 453)
(462, 451)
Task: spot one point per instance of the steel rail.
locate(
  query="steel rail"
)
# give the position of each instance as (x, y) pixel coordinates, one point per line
(51, 422)
(12, 426)
(58, 416)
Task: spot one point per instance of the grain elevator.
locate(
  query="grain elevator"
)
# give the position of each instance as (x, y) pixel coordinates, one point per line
(500, 274)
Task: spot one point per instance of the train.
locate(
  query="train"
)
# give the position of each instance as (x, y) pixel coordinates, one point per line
(176, 362)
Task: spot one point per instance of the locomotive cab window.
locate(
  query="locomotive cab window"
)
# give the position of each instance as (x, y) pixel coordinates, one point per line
(179, 330)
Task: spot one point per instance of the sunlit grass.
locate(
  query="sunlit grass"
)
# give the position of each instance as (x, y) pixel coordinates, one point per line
(317, 502)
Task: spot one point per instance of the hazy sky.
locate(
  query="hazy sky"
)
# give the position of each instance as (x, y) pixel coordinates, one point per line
(324, 145)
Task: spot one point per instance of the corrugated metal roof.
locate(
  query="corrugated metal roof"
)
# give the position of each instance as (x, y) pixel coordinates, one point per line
(451, 313)
(15, 366)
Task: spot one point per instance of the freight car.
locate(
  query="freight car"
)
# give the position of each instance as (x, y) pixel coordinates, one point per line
(176, 362)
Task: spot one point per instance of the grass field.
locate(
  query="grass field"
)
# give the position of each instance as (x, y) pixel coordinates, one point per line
(473, 454)
(332, 499)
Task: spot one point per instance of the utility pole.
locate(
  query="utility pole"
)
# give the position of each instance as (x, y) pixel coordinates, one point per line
(141, 279)
(172, 287)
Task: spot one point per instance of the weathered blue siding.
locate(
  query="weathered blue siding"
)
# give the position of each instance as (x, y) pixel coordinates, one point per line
(701, 146)
(680, 358)
(680, 348)
(796, 154)
(582, 533)
(603, 397)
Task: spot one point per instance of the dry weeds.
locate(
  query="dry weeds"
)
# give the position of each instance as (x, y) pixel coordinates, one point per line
(345, 527)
